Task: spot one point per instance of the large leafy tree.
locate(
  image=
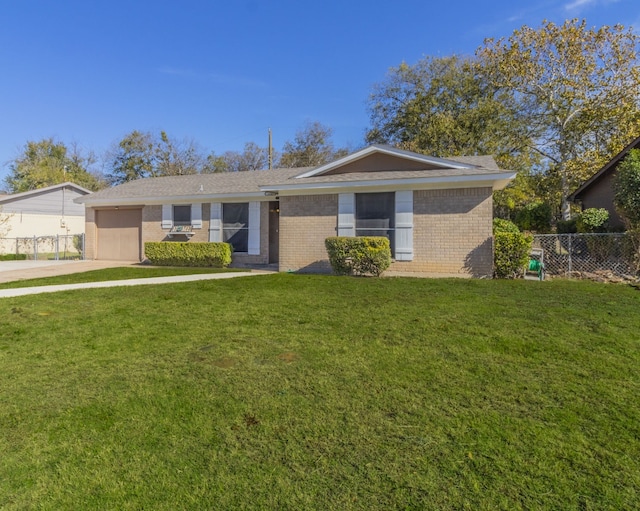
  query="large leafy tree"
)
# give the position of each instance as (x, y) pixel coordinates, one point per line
(444, 106)
(142, 154)
(311, 146)
(578, 89)
(48, 162)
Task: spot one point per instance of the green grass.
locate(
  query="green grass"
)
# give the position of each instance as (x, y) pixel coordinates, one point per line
(310, 392)
(118, 273)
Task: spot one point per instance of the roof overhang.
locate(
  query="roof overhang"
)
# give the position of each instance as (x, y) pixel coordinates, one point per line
(496, 181)
(39, 191)
(608, 167)
(177, 199)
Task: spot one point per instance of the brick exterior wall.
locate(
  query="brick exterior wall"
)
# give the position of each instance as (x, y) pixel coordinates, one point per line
(452, 232)
(152, 231)
(305, 222)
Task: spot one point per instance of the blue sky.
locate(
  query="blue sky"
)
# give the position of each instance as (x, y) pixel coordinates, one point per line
(222, 72)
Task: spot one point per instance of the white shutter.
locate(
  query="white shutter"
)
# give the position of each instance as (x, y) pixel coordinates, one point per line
(346, 214)
(254, 228)
(196, 216)
(167, 216)
(215, 222)
(404, 226)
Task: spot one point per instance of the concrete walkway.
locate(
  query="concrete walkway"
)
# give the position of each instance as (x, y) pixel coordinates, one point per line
(19, 270)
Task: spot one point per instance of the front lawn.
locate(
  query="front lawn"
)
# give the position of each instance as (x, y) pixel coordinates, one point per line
(314, 392)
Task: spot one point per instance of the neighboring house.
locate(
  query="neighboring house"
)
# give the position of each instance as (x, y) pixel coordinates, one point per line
(597, 191)
(44, 212)
(436, 212)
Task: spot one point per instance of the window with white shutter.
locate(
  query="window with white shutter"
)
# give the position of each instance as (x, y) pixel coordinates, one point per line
(346, 214)
(404, 226)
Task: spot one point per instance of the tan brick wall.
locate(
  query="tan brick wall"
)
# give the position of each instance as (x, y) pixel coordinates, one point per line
(452, 232)
(305, 222)
(152, 231)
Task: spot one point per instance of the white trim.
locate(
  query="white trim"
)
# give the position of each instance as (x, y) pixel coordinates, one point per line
(196, 215)
(495, 181)
(392, 151)
(40, 191)
(253, 244)
(167, 216)
(178, 199)
(215, 222)
(404, 225)
(347, 214)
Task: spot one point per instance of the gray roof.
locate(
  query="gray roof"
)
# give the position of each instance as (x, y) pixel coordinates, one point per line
(254, 183)
(194, 185)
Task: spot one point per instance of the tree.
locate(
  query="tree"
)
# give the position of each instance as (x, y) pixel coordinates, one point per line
(578, 89)
(142, 154)
(132, 158)
(47, 163)
(253, 157)
(311, 147)
(176, 158)
(626, 186)
(444, 106)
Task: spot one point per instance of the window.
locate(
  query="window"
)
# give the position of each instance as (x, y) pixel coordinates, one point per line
(182, 215)
(375, 215)
(235, 225)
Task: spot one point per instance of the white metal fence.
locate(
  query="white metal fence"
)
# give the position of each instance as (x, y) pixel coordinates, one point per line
(56, 247)
(587, 254)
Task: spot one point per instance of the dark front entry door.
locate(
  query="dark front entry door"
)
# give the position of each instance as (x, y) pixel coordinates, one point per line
(274, 227)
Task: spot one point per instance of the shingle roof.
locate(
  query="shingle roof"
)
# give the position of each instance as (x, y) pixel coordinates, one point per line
(193, 185)
(230, 184)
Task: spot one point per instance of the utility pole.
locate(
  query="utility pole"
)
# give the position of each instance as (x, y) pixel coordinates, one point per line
(270, 150)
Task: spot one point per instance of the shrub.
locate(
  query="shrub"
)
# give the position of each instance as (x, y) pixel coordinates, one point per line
(592, 220)
(501, 225)
(13, 257)
(567, 226)
(534, 217)
(511, 249)
(366, 255)
(626, 187)
(170, 253)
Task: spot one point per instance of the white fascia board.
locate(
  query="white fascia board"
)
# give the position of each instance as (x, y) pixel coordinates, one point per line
(178, 199)
(407, 155)
(495, 181)
(40, 191)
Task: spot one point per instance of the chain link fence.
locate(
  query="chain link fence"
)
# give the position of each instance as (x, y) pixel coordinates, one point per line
(56, 247)
(592, 256)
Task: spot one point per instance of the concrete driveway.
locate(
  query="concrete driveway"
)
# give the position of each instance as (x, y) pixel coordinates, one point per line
(20, 270)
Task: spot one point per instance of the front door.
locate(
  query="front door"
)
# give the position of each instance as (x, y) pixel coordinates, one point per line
(274, 227)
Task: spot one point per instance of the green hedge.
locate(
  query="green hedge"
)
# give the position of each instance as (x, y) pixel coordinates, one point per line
(13, 257)
(171, 253)
(511, 249)
(366, 255)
